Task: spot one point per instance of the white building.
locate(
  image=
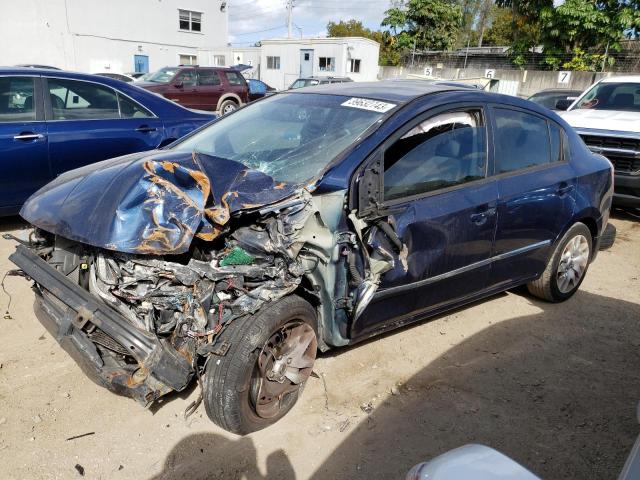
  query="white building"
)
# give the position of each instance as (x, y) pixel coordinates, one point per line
(284, 60)
(112, 35)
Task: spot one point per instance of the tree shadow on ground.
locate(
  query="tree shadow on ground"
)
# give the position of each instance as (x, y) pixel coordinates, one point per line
(556, 391)
(211, 457)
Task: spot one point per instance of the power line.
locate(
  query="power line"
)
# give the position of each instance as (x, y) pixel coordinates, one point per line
(258, 31)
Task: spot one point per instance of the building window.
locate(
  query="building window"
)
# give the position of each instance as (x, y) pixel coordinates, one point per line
(273, 63)
(327, 64)
(218, 60)
(354, 65)
(190, 21)
(188, 60)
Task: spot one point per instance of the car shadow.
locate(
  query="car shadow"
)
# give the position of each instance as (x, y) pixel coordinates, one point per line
(556, 391)
(208, 456)
(14, 222)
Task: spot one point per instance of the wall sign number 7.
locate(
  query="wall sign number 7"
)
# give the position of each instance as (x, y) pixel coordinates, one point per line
(564, 77)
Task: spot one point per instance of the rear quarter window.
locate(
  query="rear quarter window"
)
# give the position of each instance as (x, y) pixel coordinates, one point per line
(234, 78)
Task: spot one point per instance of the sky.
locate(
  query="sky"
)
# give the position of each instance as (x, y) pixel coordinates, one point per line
(254, 20)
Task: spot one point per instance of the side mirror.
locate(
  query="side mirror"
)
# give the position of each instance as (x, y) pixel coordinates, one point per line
(178, 84)
(563, 104)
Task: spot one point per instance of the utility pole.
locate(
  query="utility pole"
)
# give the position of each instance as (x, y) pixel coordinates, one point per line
(289, 17)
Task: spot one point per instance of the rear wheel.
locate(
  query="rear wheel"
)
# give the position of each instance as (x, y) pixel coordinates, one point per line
(567, 266)
(228, 106)
(270, 357)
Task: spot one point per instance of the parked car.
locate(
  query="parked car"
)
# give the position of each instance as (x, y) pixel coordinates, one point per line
(607, 117)
(116, 76)
(136, 75)
(309, 220)
(53, 121)
(313, 81)
(550, 97)
(258, 89)
(205, 88)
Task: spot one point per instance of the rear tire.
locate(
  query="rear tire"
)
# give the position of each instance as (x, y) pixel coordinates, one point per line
(234, 383)
(228, 106)
(608, 237)
(567, 266)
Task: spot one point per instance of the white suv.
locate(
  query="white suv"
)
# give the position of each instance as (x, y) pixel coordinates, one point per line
(607, 117)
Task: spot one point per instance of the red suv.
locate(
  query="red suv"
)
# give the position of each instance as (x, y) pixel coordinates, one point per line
(204, 88)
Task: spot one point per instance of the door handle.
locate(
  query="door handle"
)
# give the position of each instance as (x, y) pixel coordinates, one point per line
(480, 218)
(146, 129)
(564, 188)
(24, 136)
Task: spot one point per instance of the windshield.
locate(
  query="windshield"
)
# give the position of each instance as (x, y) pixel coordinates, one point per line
(164, 75)
(612, 96)
(290, 137)
(302, 82)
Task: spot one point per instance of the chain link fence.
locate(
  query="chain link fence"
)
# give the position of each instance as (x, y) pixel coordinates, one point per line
(499, 58)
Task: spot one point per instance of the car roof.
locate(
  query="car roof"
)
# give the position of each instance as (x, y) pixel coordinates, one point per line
(558, 90)
(400, 91)
(622, 79)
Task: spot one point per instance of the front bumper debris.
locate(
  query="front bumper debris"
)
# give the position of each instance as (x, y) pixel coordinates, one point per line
(80, 323)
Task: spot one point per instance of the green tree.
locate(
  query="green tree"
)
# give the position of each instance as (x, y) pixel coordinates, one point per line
(500, 31)
(350, 28)
(425, 24)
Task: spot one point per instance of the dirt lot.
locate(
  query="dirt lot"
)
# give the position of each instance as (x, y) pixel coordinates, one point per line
(553, 386)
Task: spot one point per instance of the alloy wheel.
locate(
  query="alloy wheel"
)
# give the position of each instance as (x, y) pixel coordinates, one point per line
(284, 364)
(573, 263)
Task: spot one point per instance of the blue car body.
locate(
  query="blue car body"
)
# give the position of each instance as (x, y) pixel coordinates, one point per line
(373, 261)
(36, 150)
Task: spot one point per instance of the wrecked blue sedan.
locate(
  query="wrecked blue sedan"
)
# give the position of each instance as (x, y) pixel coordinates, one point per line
(309, 220)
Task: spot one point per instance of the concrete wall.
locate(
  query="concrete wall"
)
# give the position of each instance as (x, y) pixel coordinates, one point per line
(522, 83)
(342, 49)
(99, 35)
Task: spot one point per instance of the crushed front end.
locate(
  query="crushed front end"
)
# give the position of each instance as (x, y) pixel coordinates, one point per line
(140, 309)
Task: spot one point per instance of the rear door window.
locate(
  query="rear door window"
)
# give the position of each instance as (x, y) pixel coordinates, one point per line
(440, 152)
(78, 100)
(521, 140)
(17, 102)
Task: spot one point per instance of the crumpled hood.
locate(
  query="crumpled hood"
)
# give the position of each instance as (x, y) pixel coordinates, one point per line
(602, 119)
(150, 202)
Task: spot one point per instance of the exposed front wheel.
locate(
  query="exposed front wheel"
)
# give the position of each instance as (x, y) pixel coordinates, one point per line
(270, 357)
(567, 266)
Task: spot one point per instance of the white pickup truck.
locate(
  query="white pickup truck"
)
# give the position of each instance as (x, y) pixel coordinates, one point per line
(607, 117)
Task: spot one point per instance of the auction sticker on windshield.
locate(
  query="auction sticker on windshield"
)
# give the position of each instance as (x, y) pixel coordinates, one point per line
(367, 104)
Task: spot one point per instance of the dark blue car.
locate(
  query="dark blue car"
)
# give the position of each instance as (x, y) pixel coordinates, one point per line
(53, 121)
(310, 220)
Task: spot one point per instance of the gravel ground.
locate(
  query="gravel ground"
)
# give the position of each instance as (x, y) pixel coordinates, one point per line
(553, 386)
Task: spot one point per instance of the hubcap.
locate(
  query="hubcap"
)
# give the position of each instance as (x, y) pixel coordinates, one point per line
(284, 364)
(573, 263)
(228, 109)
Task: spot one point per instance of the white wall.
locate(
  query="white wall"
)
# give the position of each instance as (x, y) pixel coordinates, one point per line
(104, 35)
(289, 52)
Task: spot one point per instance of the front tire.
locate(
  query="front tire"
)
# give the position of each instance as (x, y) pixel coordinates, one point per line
(567, 266)
(262, 375)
